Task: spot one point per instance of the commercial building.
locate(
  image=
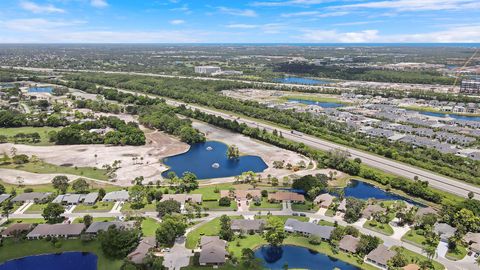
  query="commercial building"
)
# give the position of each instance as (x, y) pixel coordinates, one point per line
(470, 86)
(207, 69)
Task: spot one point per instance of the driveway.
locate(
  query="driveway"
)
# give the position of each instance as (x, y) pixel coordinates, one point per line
(442, 249)
(178, 256)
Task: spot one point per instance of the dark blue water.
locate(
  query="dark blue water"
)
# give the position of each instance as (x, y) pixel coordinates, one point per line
(298, 257)
(321, 104)
(364, 191)
(199, 160)
(454, 116)
(299, 80)
(67, 260)
(40, 89)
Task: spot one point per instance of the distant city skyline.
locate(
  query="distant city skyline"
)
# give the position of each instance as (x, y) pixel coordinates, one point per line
(251, 21)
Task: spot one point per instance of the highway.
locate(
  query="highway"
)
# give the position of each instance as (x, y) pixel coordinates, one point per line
(440, 182)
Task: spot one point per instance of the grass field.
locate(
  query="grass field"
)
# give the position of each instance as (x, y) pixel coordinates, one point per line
(11, 250)
(385, 229)
(208, 192)
(458, 254)
(413, 238)
(249, 241)
(413, 257)
(98, 207)
(42, 131)
(36, 208)
(149, 226)
(305, 207)
(284, 218)
(43, 167)
(213, 205)
(95, 219)
(24, 220)
(94, 186)
(210, 228)
(266, 205)
(127, 207)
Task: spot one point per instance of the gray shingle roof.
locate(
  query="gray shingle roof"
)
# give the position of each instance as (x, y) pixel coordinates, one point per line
(95, 227)
(91, 198)
(33, 196)
(247, 225)
(3, 197)
(121, 195)
(293, 225)
(349, 243)
(213, 250)
(43, 230)
(381, 255)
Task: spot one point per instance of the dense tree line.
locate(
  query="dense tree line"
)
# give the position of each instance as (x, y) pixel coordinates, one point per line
(163, 117)
(122, 133)
(365, 74)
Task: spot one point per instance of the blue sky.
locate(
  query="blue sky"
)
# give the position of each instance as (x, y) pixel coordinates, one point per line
(255, 21)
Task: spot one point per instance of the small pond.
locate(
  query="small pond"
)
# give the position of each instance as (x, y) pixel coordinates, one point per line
(300, 80)
(364, 191)
(299, 258)
(454, 116)
(62, 261)
(40, 90)
(321, 104)
(209, 160)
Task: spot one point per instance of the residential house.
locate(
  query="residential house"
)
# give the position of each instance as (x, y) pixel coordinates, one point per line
(380, 256)
(247, 225)
(348, 244)
(444, 230)
(213, 251)
(424, 211)
(371, 210)
(140, 253)
(32, 197)
(308, 229)
(91, 198)
(324, 200)
(473, 241)
(116, 196)
(16, 228)
(96, 227)
(56, 230)
(241, 194)
(183, 198)
(74, 199)
(282, 196)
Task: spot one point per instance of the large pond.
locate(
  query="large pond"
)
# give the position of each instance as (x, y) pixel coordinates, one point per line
(300, 80)
(299, 258)
(62, 261)
(209, 160)
(365, 191)
(321, 104)
(40, 89)
(454, 116)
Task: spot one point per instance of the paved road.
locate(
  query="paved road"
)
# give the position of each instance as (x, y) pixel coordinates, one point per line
(444, 183)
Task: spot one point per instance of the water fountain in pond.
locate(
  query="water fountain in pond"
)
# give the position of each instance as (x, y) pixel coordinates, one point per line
(215, 165)
(209, 148)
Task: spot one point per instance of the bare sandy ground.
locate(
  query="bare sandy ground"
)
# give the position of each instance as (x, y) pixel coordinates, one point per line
(135, 160)
(249, 146)
(14, 176)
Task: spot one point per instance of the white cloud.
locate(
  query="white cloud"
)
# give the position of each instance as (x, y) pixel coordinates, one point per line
(243, 26)
(461, 33)
(418, 5)
(238, 12)
(177, 22)
(99, 3)
(269, 28)
(314, 14)
(37, 24)
(289, 3)
(35, 8)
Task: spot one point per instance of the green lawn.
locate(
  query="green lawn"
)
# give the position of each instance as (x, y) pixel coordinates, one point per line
(413, 257)
(97, 207)
(36, 208)
(208, 192)
(304, 207)
(385, 229)
(43, 167)
(95, 219)
(11, 250)
(326, 249)
(329, 213)
(127, 207)
(42, 131)
(265, 205)
(149, 226)
(284, 218)
(413, 238)
(458, 254)
(210, 228)
(95, 186)
(24, 220)
(213, 205)
(249, 241)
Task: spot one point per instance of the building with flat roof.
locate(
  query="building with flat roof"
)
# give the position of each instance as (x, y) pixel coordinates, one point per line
(207, 69)
(470, 86)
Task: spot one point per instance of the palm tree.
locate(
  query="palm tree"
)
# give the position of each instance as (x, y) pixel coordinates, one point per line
(431, 252)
